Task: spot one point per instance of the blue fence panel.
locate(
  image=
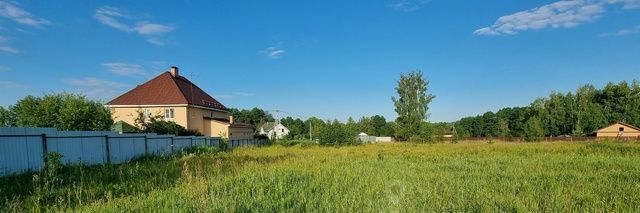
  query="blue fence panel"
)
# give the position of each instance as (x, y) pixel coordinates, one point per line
(22, 149)
(68, 144)
(159, 145)
(123, 148)
(12, 150)
(200, 141)
(181, 143)
(93, 148)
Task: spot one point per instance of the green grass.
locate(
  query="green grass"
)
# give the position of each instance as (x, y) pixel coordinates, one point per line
(477, 177)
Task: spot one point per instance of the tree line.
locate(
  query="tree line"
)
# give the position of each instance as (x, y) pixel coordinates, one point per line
(578, 113)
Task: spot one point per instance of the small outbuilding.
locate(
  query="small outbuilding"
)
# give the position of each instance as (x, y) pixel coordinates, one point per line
(618, 129)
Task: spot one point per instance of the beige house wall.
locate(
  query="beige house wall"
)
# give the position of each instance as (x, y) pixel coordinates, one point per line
(614, 131)
(218, 129)
(197, 120)
(194, 118)
(129, 114)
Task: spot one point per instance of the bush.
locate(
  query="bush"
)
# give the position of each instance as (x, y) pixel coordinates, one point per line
(64, 111)
(162, 127)
(335, 133)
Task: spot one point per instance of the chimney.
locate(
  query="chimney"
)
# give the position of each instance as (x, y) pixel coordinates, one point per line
(231, 121)
(174, 71)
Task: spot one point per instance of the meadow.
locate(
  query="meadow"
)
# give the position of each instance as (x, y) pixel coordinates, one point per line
(467, 176)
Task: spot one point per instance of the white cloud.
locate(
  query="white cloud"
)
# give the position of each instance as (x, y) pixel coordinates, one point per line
(144, 28)
(11, 85)
(627, 4)
(108, 16)
(119, 20)
(243, 94)
(19, 15)
(223, 96)
(561, 14)
(409, 5)
(125, 69)
(273, 52)
(156, 41)
(622, 32)
(5, 47)
(234, 95)
(96, 88)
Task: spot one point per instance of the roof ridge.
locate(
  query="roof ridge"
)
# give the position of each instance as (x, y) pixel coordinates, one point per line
(136, 87)
(184, 96)
(628, 125)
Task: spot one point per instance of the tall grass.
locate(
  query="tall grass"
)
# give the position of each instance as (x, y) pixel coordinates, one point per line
(540, 177)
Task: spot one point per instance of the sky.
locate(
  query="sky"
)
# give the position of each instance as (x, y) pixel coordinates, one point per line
(329, 59)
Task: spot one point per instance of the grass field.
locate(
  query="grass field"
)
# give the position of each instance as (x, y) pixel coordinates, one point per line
(478, 177)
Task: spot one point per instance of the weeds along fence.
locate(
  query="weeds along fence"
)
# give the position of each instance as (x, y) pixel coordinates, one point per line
(23, 149)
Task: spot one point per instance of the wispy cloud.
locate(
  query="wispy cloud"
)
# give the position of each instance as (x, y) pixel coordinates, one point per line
(273, 52)
(96, 88)
(120, 20)
(622, 32)
(11, 85)
(125, 69)
(561, 14)
(145, 28)
(4, 68)
(19, 15)
(243, 94)
(5, 47)
(234, 95)
(409, 5)
(223, 96)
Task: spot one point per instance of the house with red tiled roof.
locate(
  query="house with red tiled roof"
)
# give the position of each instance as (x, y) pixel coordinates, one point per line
(175, 98)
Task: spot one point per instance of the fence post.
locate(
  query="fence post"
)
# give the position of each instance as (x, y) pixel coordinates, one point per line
(108, 151)
(45, 149)
(171, 144)
(146, 146)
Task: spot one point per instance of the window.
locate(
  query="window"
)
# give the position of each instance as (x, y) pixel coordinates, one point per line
(169, 113)
(621, 129)
(147, 113)
(282, 130)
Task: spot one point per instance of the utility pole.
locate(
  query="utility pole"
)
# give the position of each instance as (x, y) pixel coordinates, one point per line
(310, 130)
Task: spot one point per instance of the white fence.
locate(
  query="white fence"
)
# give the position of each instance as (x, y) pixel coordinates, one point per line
(22, 149)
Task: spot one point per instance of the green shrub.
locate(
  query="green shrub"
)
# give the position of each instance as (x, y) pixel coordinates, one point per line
(335, 133)
(163, 127)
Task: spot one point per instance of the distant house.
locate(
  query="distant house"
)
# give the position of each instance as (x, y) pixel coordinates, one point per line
(448, 133)
(274, 130)
(365, 138)
(174, 98)
(618, 129)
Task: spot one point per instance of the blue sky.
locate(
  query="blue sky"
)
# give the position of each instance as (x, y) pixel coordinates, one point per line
(331, 59)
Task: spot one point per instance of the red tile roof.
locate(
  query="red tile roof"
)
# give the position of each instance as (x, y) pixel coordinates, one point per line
(166, 89)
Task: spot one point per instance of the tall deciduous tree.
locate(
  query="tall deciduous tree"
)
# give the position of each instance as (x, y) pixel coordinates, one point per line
(411, 104)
